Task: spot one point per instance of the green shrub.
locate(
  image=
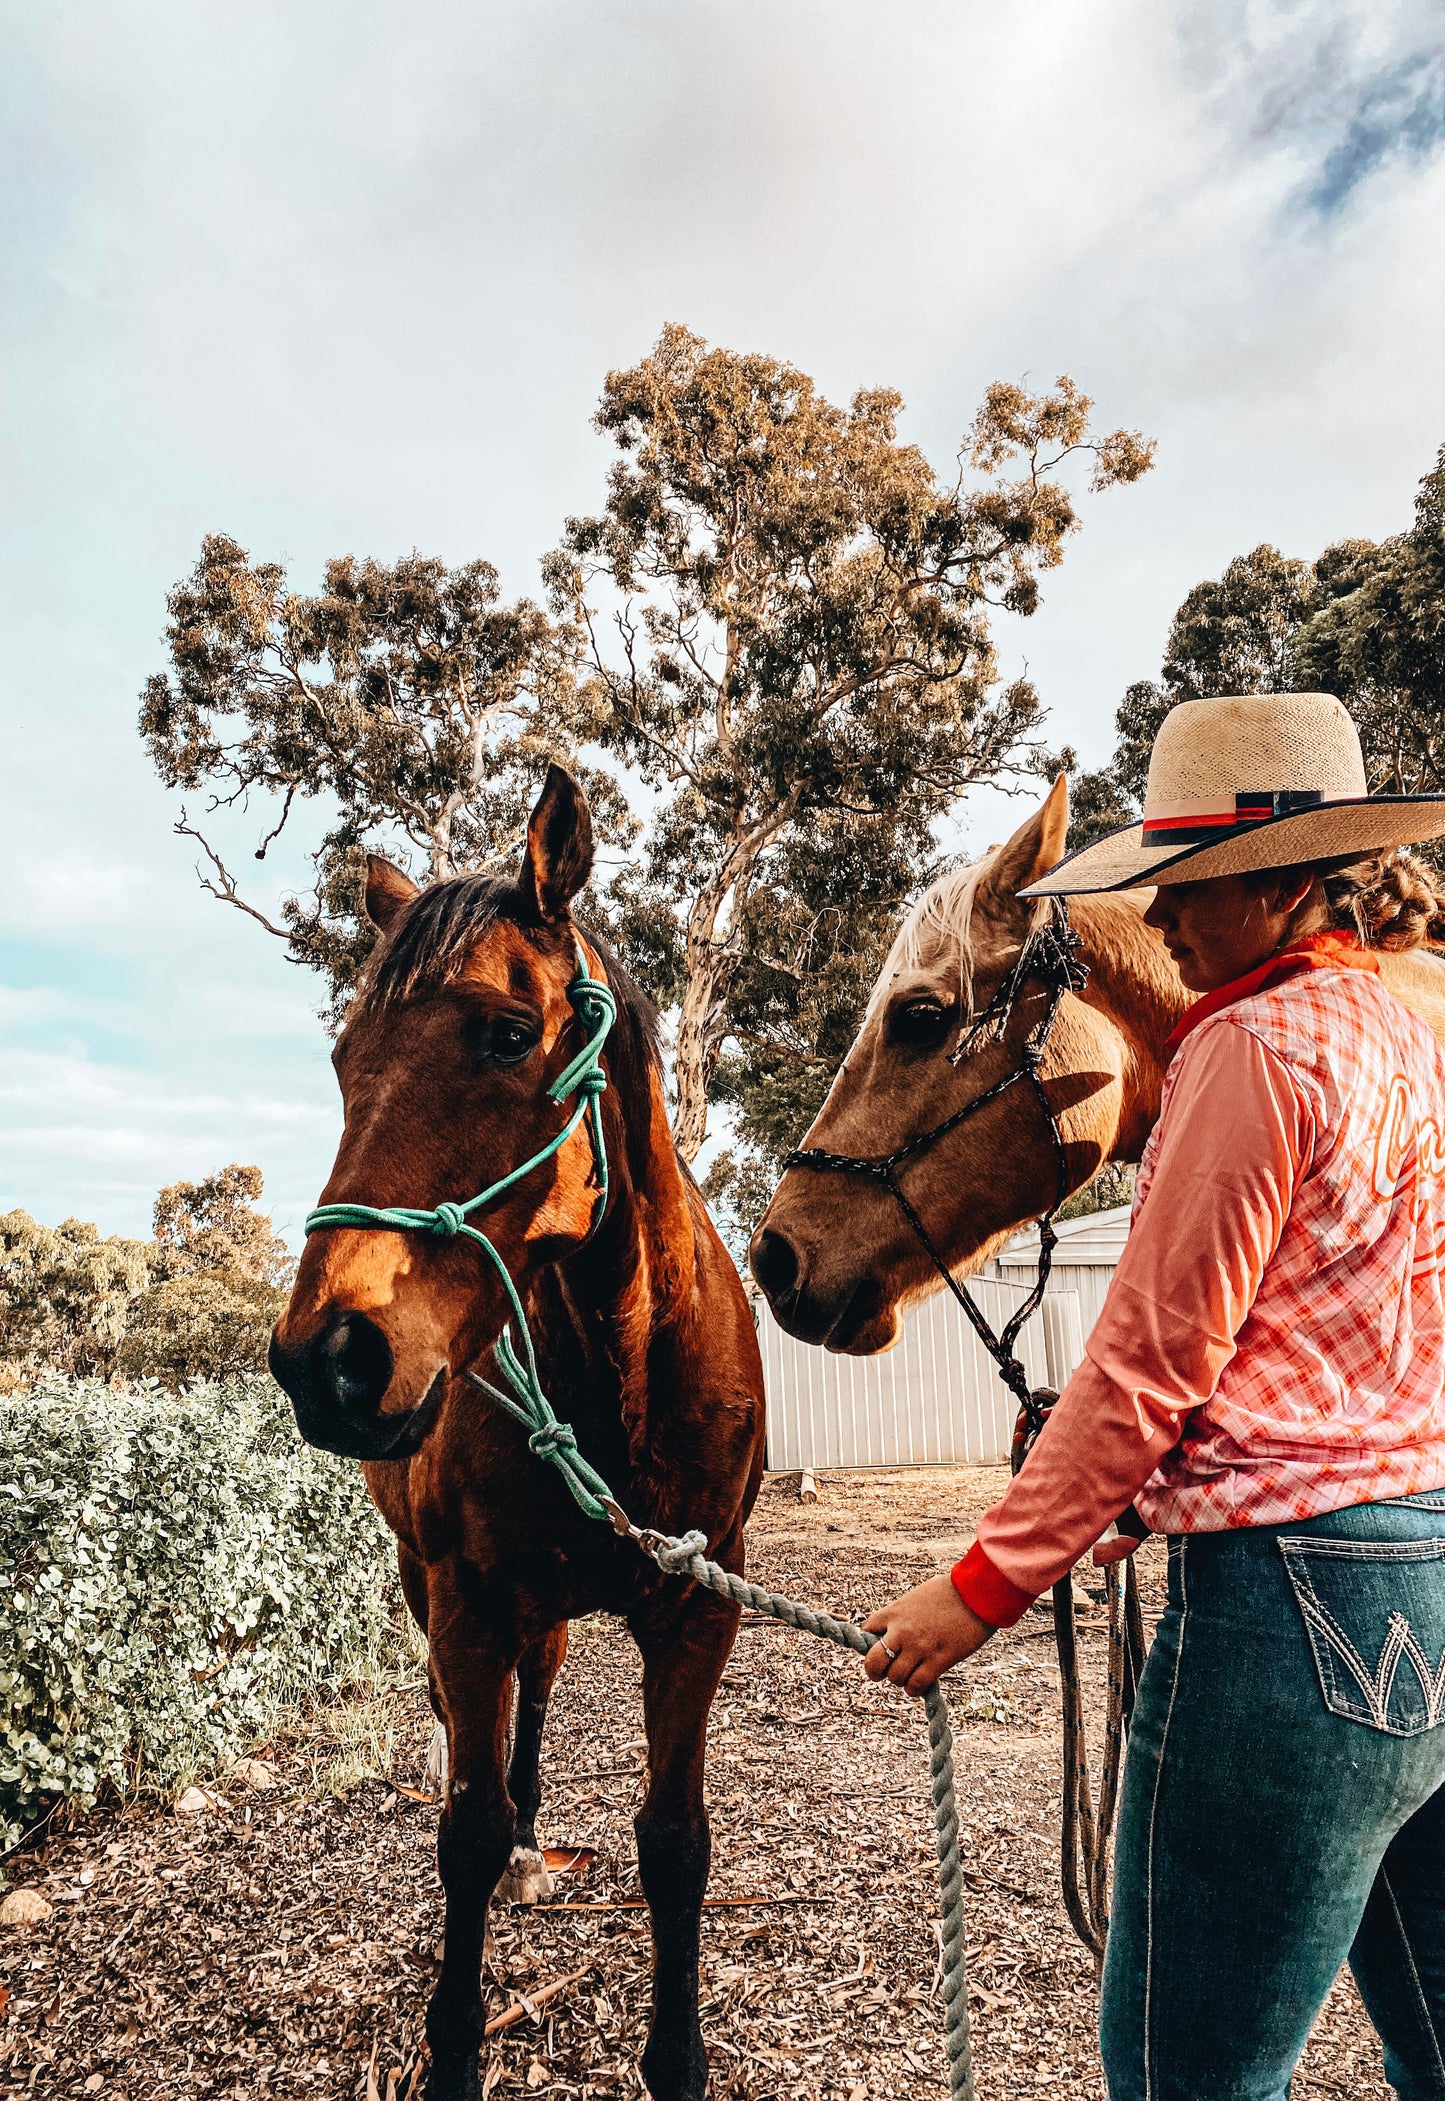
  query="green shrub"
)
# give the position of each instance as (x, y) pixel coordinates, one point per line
(199, 1327)
(173, 1567)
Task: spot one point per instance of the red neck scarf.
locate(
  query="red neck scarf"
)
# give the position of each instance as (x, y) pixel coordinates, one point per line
(1329, 951)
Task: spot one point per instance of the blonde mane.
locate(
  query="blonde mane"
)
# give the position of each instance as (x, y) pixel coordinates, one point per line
(936, 931)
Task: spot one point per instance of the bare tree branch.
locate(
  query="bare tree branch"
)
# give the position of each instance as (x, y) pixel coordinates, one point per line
(225, 888)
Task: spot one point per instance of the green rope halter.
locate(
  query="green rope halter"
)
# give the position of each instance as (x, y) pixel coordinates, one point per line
(550, 1439)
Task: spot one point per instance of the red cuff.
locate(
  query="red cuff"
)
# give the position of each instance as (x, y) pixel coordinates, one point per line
(987, 1591)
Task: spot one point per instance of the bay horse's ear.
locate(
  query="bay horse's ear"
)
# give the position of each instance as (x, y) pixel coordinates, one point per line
(1033, 850)
(558, 859)
(388, 891)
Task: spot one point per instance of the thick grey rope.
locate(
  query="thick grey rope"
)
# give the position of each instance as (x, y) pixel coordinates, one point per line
(686, 1556)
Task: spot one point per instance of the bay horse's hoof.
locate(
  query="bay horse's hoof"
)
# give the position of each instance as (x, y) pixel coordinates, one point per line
(526, 1880)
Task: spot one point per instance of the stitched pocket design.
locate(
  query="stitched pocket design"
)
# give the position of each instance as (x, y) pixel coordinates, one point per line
(1374, 1611)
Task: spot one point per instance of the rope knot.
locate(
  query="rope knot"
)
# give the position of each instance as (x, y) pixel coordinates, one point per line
(674, 1556)
(552, 1440)
(593, 1081)
(448, 1219)
(594, 1001)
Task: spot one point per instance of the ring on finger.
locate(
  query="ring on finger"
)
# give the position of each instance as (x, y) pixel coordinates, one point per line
(892, 1654)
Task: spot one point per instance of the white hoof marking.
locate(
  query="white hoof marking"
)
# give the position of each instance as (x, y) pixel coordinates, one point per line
(434, 1780)
(526, 1880)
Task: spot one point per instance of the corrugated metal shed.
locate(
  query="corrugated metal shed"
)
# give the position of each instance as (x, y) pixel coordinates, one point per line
(1084, 1260)
(936, 1398)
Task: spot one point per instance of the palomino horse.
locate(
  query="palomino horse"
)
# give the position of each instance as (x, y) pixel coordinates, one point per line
(1101, 1074)
(644, 1344)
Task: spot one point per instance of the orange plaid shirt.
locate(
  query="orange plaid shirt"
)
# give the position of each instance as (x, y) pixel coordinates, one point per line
(1273, 1341)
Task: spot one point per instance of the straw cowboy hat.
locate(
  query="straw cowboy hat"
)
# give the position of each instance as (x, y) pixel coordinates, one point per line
(1260, 780)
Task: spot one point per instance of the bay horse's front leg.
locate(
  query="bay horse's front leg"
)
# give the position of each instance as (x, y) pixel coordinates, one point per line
(526, 1879)
(471, 1680)
(685, 1640)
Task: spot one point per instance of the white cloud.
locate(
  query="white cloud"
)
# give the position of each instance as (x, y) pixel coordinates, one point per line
(356, 290)
(99, 1140)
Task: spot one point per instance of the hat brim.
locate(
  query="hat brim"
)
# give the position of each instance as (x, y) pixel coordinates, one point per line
(1372, 824)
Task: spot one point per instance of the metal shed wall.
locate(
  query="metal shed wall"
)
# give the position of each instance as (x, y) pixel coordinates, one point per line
(936, 1399)
(1084, 1260)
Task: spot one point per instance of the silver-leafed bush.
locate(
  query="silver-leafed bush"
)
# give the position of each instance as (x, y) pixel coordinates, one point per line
(173, 1567)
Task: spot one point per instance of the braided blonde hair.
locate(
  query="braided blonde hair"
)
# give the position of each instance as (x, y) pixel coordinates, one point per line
(1389, 900)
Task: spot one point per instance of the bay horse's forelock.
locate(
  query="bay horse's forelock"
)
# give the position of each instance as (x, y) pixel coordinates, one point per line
(645, 1345)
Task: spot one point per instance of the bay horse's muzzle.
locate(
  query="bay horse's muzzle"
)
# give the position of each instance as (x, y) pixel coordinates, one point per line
(336, 1382)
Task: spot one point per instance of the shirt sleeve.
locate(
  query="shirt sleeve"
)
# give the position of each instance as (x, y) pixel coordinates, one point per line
(1236, 1137)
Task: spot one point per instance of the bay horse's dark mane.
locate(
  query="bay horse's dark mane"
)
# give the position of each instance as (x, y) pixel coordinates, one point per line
(429, 946)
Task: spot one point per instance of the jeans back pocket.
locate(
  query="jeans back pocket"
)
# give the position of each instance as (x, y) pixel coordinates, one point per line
(1374, 1611)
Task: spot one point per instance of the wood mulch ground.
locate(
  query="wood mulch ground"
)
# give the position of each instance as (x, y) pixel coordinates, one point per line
(284, 1942)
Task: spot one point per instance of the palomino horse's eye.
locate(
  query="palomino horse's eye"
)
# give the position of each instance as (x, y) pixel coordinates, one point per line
(920, 1023)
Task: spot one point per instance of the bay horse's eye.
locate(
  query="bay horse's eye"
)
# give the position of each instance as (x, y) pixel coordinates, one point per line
(502, 1039)
(511, 1041)
(920, 1023)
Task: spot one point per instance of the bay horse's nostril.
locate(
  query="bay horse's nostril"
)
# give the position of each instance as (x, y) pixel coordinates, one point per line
(775, 1264)
(336, 1382)
(355, 1362)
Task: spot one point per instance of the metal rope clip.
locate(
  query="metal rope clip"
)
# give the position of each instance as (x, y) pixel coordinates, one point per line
(646, 1537)
(622, 1524)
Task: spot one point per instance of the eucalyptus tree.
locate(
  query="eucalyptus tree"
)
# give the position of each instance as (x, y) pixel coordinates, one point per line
(787, 621)
(405, 708)
(1364, 620)
(1379, 642)
(1233, 633)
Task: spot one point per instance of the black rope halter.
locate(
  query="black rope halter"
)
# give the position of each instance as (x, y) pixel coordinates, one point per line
(1050, 954)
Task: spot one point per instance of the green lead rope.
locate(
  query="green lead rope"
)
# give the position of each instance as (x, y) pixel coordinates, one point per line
(556, 1442)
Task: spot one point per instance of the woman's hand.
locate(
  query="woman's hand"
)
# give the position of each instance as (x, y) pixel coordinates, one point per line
(921, 1634)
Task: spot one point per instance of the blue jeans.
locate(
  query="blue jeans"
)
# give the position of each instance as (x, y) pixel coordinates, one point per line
(1283, 1808)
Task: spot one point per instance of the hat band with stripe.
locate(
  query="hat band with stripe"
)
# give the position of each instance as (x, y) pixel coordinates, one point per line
(1205, 819)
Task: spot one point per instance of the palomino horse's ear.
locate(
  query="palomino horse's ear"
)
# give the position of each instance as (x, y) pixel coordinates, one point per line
(558, 859)
(1034, 848)
(388, 891)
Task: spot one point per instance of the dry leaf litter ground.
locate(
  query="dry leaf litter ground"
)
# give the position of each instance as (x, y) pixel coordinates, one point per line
(282, 1940)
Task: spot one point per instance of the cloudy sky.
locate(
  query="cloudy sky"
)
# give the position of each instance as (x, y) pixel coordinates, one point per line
(347, 279)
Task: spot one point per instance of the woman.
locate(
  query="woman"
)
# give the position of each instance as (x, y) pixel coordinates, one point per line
(1266, 1384)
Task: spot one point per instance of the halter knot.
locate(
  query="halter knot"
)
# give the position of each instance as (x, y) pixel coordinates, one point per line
(552, 1440)
(594, 1002)
(448, 1219)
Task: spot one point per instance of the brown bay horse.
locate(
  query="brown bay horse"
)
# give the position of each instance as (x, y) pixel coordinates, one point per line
(836, 1255)
(645, 1345)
